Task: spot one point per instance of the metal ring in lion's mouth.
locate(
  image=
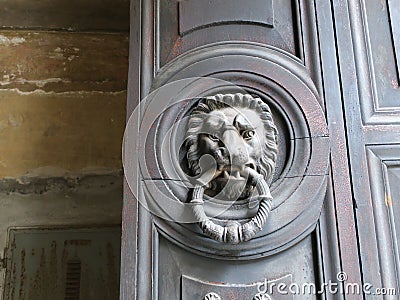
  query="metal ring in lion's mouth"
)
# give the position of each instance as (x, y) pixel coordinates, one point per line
(234, 232)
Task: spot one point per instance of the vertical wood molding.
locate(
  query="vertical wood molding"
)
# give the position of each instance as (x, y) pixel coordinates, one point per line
(342, 208)
(132, 212)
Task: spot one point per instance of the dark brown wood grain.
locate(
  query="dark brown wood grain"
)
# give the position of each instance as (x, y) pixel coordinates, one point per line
(350, 111)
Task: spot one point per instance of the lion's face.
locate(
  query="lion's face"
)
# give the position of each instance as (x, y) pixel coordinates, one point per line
(236, 136)
(235, 140)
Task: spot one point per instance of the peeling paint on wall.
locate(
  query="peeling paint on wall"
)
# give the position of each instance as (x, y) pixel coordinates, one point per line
(61, 62)
(11, 41)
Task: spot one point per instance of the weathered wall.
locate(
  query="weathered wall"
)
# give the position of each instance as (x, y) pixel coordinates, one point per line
(62, 99)
(62, 112)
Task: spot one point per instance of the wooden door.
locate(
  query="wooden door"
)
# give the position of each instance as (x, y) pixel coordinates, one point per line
(329, 73)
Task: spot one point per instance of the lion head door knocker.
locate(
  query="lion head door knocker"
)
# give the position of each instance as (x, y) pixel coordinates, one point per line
(238, 132)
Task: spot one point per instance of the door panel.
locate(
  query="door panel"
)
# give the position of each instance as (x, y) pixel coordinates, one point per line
(383, 167)
(184, 25)
(383, 46)
(191, 276)
(371, 117)
(329, 72)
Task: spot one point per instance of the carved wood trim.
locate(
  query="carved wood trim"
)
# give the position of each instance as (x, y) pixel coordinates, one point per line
(379, 159)
(375, 84)
(286, 78)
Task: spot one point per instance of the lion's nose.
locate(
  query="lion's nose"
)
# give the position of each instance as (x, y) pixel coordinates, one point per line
(235, 148)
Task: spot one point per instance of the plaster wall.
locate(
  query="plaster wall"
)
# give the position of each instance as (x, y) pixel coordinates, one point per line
(63, 82)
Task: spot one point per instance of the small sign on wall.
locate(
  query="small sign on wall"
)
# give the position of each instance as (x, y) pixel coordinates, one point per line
(57, 263)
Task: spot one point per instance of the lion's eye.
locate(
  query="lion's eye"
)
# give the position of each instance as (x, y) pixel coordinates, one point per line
(213, 137)
(248, 135)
